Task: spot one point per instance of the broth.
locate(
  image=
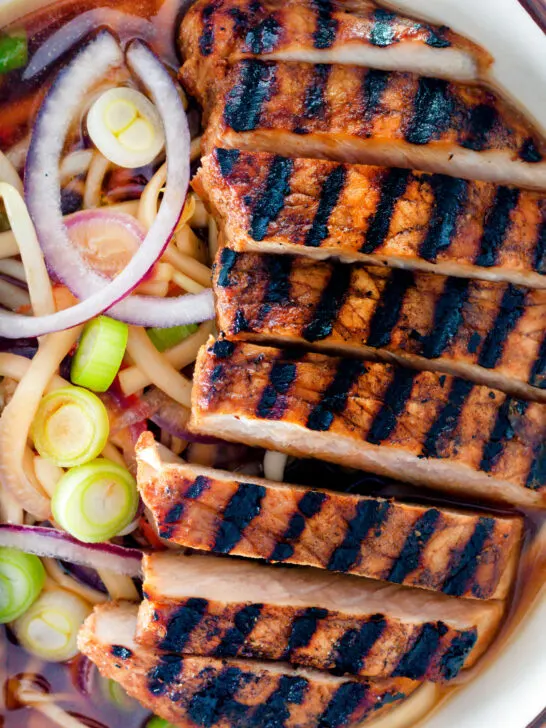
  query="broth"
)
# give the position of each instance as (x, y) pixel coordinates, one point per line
(19, 101)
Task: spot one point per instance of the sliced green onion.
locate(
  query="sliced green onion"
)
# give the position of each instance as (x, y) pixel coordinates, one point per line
(13, 51)
(49, 629)
(100, 353)
(94, 502)
(71, 427)
(156, 722)
(115, 694)
(22, 578)
(164, 339)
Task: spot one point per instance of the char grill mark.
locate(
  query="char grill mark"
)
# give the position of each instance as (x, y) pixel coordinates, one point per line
(243, 623)
(243, 507)
(245, 100)
(182, 625)
(408, 219)
(395, 400)
(206, 40)
(529, 152)
(448, 317)
(481, 123)
(540, 250)
(416, 661)
(392, 408)
(334, 399)
(538, 374)
(433, 111)
(315, 103)
(374, 85)
(414, 545)
(497, 224)
(355, 645)
(504, 430)
(330, 193)
(511, 311)
(273, 400)
(227, 160)
(445, 425)
(325, 34)
(340, 532)
(382, 33)
(329, 305)
(387, 312)
(449, 201)
(370, 515)
(209, 692)
(465, 564)
(394, 185)
(194, 492)
(303, 628)
(487, 326)
(263, 37)
(271, 200)
(309, 506)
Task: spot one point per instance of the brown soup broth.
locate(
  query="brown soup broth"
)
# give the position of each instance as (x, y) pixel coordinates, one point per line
(19, 101)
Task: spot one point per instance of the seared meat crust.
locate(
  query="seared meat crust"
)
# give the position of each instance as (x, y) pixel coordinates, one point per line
(203, 605)
(271, 204)
(217, 33)
(493, 333)
(203, 692)
(352, 114)
(461, 553)
(422, 427)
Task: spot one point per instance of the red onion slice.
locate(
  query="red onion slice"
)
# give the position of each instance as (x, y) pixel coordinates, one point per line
(51, 543)
(43, 196)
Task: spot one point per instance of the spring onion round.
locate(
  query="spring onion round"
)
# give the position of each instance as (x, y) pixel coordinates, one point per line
(100, 353)
(94, 502)
(164, 339)
(115, 694)
(71, 427)
(156, 722)
(22, 578)
(126, 127)
(49, 629)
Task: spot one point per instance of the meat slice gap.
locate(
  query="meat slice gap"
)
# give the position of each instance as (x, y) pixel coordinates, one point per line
(215, 35)
(352, 114)
(192, 692)
(410, 220)
(461, 553)
(225, 608)
(493, 333)
(425, 428)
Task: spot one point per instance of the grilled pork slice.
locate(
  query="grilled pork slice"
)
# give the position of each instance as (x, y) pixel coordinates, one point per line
(214, 35)
(353, 114)
(422, 427)
(192, 692)
(493, 333)
(271, 204)
(458, 552)
(203, 605)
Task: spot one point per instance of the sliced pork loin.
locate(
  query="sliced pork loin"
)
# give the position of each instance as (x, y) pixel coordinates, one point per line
(412, 220)
(352, 114)
(215, 35)
(192, 692)
(427, 428)
(461, 553)
(492, 333)
(204, 605)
